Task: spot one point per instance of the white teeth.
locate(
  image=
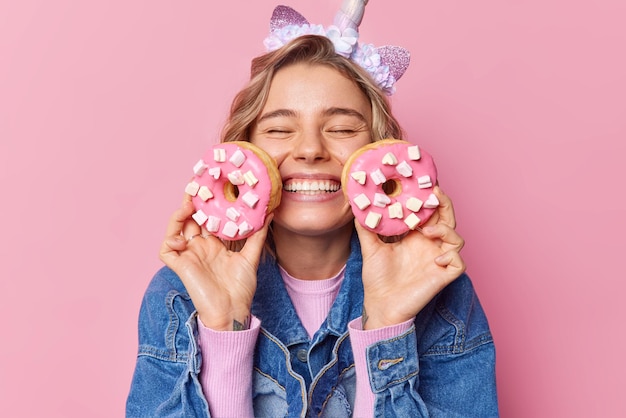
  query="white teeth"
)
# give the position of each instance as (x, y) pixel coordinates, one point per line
(313, 186)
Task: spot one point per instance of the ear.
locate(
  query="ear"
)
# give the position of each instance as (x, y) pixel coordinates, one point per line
(284, 16)
(397, 58)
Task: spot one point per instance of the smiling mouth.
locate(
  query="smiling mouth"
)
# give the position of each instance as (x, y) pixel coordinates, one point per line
(312, 186)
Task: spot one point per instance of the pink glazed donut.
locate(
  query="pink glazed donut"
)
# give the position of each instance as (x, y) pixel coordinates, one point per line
(235, 185)
(389, 185)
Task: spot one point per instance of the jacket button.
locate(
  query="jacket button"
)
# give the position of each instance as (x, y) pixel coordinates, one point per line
(302, 355)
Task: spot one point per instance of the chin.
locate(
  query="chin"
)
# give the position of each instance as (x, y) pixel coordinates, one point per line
(315, 224)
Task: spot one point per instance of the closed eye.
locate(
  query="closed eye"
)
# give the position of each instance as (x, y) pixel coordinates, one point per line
(345, 131)
(277, 133)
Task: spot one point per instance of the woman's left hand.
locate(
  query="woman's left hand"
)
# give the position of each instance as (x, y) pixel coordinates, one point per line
(400, 278)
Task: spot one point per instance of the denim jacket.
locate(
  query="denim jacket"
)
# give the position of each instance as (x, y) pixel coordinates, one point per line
(443, 366)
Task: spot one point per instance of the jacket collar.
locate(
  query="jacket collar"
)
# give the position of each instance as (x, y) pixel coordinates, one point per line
(273, 306)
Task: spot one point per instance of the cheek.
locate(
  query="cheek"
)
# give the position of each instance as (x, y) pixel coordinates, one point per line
(273, 149)
(343, 153)
(278, 154)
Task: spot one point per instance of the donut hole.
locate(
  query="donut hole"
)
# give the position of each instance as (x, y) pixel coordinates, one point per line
(392, 188)
(231, 192)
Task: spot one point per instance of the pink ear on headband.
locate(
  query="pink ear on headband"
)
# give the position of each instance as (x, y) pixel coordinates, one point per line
(285, 16)
(396, 57)
(386, 64)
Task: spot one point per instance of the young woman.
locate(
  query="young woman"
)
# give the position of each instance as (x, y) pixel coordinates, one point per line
(313, 315)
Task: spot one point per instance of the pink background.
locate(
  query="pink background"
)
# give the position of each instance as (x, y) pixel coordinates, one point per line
(105, 106)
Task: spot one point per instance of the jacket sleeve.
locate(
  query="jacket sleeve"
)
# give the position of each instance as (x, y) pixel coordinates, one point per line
(443, 366)
(165, 381)
(226, 372)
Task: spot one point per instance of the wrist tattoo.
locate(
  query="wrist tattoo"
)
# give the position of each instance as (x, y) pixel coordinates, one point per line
(364, 319)
(239, 326)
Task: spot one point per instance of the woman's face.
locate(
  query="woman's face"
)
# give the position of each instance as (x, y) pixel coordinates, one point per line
(313, 120)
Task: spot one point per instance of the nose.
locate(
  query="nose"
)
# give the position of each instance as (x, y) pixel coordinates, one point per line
(310, 147)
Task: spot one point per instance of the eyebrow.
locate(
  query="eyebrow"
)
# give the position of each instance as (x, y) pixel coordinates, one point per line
(277, 114)
(328, 112)
(345, 111)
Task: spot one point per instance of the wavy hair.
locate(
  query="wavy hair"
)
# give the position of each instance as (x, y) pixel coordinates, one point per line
(309, 49)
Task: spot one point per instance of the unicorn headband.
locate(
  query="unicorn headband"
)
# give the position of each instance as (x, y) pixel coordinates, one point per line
(386, 64)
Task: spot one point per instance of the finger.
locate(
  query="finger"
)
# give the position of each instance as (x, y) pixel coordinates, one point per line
(253, 247)
(445, 209)
(176, 242)
(178, 219)
(170, 248)
(191, 229)
(368, 239)
(173, 242)
(453, 262)
(448, 236)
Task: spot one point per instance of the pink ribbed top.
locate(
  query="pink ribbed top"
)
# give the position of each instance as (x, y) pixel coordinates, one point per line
(227, 356)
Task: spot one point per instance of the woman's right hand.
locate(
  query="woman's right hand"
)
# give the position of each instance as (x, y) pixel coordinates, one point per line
(221, 283)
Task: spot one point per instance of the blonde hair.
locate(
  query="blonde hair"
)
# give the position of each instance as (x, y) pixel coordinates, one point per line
(310, 49)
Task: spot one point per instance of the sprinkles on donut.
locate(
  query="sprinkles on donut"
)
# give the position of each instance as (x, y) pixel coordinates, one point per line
(235, 185)
(389, 185)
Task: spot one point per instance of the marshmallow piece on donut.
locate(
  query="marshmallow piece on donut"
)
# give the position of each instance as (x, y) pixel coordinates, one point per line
(230, 229)
(404, 169)
(192, 188)
(359, 177)
(205, 193)
(219, 155)
(245, 228)
(414, 153)
(424, 182)
(213, 223)
(236, 178)
(250, 178)
(431, 202)
(412, 221)
(232, 214)
(390, 159)
(200, 217)
(361, 201)
(238, 158)
(373, 219)
(200, 168)
(414, 204)
(381, 200)
(378, 177)
(250, 199)
(395, 211)
(215, 172)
